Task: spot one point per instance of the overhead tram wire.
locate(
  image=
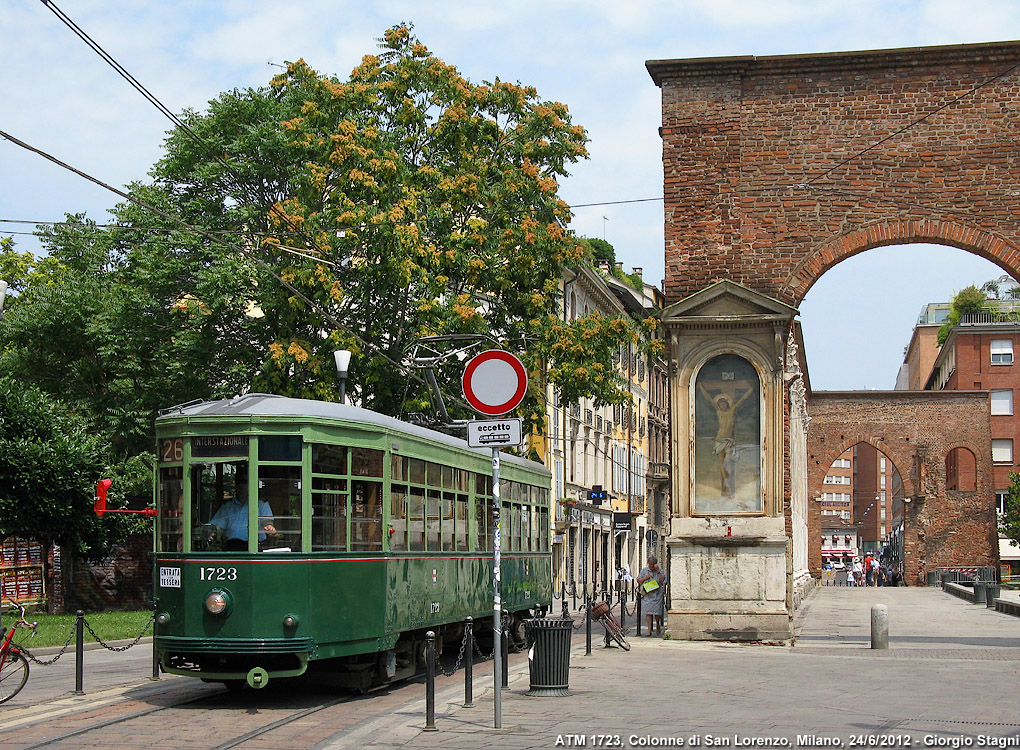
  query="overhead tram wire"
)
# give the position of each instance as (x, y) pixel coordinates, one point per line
(169, 114)
(244, 252)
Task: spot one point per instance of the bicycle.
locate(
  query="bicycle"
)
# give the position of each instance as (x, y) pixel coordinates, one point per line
(601, 613)
(13, 664)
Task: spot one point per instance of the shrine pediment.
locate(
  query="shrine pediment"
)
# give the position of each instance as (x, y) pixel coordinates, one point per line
(727, 301)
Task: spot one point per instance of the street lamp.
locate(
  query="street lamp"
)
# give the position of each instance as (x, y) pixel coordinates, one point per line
(343, 362)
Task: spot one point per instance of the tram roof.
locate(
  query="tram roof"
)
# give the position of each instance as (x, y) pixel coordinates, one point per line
(270, 405)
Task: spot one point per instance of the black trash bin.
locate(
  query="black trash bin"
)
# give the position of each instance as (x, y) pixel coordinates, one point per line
(549, 655)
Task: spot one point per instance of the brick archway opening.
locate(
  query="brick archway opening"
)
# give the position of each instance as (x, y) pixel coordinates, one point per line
(861, 502)
(826, 255)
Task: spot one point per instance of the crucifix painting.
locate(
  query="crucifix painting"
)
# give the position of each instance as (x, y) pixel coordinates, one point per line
(727, 437)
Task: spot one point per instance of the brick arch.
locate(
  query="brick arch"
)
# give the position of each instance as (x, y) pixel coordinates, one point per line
(885, 232)
(818, 468)
(777, 168)
(915, 430)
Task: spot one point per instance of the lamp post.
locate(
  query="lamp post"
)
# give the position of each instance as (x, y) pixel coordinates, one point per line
(343, 362)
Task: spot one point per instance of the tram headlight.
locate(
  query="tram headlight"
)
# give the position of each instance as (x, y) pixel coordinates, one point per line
(217, 602)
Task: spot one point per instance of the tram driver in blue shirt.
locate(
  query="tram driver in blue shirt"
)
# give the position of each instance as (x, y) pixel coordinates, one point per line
(232, 518)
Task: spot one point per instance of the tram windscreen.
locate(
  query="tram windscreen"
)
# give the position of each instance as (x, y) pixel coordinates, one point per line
(219, 506)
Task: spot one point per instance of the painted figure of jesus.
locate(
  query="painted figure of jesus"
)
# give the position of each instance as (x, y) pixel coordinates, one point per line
(725, 413)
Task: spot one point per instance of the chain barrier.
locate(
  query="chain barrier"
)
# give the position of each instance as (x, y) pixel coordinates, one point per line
(460, 658)
(46, 662)
(70, 637)
(108, 647)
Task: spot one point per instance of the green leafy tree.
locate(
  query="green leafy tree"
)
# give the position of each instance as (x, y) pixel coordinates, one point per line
(49, 464)
(968, 300)
(1009, 521)
(363, 213)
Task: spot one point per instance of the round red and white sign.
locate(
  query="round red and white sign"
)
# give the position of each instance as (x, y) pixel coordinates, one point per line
(495, 382)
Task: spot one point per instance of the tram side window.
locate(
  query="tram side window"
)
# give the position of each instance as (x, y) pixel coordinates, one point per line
(449, 544)
(416, 519)
(416, 471)
(329, 459)
(483, 521)
(366, 515)
(506, 526)
(526, 544)
(432, 511)
(329, 514)
(366, 462)
(543, 521)
(171, 509)
(279, 525)
(398, 519)
(461, 509)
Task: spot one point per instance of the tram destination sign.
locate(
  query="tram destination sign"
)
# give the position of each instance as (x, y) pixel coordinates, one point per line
(495, 433)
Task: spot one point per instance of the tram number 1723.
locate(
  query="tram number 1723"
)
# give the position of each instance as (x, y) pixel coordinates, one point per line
(217, 574)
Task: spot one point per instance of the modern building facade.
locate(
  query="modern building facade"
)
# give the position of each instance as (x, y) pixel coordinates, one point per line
(979, 353)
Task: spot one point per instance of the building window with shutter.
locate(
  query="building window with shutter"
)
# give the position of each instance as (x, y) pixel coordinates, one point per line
(1002, 351)
(1002, 402)
(1002, 451)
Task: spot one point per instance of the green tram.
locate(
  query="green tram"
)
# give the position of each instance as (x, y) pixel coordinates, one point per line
(295, 534)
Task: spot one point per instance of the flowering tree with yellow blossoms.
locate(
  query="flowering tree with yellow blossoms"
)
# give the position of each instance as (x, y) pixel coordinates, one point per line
(365, 213)
(432, 205)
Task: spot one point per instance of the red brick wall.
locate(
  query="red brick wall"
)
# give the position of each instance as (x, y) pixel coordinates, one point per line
(915, 430)
(741, 134)
(974, 370)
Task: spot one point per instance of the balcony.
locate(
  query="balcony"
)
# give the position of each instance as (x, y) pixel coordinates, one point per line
(658, 470)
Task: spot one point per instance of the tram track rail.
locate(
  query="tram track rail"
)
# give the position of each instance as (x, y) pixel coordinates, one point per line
(213, 697)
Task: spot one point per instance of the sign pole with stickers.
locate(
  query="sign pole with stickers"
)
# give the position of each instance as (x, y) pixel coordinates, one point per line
(494, 383)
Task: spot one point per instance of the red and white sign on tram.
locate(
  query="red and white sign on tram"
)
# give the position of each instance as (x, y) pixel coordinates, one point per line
(495, 382)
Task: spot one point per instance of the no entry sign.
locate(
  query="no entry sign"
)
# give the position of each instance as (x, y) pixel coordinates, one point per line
(495, 382)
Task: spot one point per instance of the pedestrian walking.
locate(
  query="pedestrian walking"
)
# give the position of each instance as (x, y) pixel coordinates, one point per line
(858, 572)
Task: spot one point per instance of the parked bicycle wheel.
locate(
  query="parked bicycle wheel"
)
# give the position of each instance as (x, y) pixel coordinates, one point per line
(616, 632)
(13, 675)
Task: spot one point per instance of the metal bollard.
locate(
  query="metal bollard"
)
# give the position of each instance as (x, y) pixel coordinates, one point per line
(991, 594)
(879, 626)
(469, 657)
(573, 595)
(79, 653)
(505, 656)
(155, 653)
(430, 681)
(587, 628)
(638, 626)
(623, 609)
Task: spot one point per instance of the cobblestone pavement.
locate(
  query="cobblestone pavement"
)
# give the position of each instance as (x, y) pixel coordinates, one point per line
(949, 678)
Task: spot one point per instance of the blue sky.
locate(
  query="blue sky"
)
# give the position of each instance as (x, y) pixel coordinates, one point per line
(59, 96)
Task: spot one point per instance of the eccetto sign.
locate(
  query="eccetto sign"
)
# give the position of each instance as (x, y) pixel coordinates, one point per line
(495, 433)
